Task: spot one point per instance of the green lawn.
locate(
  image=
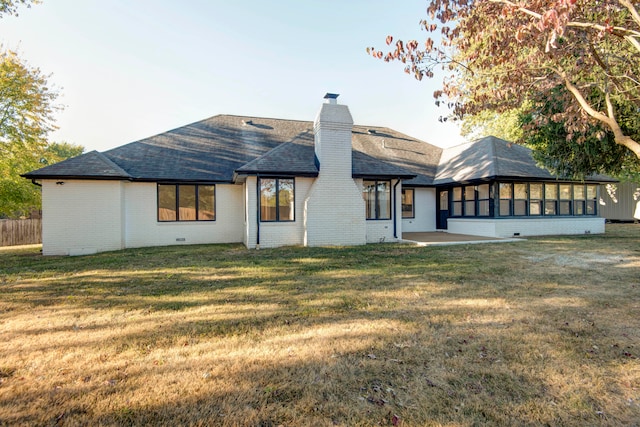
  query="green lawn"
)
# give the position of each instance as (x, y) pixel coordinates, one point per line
(541, 332)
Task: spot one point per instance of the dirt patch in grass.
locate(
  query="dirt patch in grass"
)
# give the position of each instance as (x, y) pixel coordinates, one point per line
(585, 260)
(545, 331)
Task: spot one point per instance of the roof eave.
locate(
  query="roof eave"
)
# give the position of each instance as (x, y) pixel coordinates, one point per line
(593, 180)
(307, 174)
(184, 181)
(78, 177)
(384, 176)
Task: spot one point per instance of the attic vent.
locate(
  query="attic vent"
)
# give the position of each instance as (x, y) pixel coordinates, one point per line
(247, 122)
(372, 131)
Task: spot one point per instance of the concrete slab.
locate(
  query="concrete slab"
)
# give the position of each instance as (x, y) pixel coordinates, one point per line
(441, 238)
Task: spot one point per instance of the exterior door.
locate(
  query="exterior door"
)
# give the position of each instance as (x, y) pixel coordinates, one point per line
(443, 209)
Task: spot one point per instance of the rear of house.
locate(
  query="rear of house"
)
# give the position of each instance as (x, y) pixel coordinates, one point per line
(270, 182)
(494, 188)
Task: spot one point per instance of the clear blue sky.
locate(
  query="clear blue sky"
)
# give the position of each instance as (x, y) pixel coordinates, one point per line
(131, 69)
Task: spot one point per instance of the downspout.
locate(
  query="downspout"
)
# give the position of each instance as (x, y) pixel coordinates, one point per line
(395, 210)
(258, 211)
(33, 181)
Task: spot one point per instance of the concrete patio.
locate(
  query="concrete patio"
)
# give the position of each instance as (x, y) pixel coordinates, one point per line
(441, 238)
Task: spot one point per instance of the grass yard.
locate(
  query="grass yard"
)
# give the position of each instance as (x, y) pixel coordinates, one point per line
(542, 332)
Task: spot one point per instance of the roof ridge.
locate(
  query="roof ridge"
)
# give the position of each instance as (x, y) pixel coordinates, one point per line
(494, 156)
(201, 121)
(112, 164)
(274, 150)
(463, 143)
(258, 117)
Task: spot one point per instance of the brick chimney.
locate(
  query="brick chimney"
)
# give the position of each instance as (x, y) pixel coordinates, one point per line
(332, 131)
(334, 209)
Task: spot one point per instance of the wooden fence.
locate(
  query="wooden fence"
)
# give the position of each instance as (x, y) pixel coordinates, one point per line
(20, 232)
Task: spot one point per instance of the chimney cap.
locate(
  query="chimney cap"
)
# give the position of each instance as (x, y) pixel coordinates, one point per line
(331, 95)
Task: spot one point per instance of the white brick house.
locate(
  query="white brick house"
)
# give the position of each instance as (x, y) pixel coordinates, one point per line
(269, 182)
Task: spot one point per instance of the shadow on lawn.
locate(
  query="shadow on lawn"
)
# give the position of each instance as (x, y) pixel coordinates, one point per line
(134, 280)
(389, 373)
(459, 350)
(366, 385)
(157, 279)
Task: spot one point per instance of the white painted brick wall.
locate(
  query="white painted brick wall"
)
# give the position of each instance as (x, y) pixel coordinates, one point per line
(379, 231)
(508, 227)
(81, 217)
(425, 212)
(382, 230)
(334, 209)
(143, 229)
(476, 227)
(335, 213)
(251, 213)
(274, 234)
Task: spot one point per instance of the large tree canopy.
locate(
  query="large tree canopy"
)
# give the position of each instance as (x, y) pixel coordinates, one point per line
(589, 150)
(26, 109)
(26, 118)
(501, 55)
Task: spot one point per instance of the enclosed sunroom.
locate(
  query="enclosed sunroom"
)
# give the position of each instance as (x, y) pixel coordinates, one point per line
(493, 188)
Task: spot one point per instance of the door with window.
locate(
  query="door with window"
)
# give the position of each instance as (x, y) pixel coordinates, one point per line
(443, 209)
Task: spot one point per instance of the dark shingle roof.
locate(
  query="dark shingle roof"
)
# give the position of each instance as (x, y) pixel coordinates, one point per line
(208, 150)
(219, 148)
(366, 166)
(492, 157)
(413, 156)
(296, 157)
(91, 165)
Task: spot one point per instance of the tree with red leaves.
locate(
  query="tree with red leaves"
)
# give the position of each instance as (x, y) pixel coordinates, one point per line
(501, 55)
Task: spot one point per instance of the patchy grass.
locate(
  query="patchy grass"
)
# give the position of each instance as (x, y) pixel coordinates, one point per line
(542, 332)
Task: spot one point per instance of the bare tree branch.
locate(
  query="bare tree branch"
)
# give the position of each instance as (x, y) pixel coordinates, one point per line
(609, 120)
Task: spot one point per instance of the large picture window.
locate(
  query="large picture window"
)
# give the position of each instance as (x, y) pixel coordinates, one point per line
(470, 200)
(277, 199)
(186, 202)
(408, 209)
(550, 199)
(518, 199)
(377, 197)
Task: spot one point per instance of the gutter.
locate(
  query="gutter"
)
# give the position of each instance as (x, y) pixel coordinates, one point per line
(395, 208)
(79, 177)
(258, 211)
(33, 181)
